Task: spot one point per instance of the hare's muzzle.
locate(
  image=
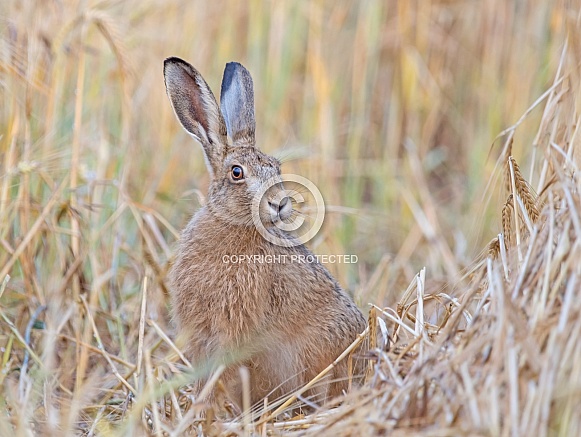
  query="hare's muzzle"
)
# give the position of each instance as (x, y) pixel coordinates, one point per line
(276, 206)
(280, 209)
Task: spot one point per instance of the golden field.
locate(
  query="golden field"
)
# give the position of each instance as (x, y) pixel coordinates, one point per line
(442, 134)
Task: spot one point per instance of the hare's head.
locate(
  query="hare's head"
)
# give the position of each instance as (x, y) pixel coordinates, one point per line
(238, 170)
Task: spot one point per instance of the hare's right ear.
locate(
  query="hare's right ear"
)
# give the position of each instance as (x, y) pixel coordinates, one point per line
(197, 110)
(237, 104)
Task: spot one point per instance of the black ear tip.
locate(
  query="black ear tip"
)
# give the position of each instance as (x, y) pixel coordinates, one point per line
(173, 60)
(234, 64)
(233, 67)
(231, 71)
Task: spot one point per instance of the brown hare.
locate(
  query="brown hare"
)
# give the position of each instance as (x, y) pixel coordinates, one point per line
(285, 321)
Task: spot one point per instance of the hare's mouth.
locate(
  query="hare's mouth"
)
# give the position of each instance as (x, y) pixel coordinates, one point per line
(276, 220)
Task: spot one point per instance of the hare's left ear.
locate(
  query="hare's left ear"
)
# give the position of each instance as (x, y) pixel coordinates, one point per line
(237, 104)
(196, 109)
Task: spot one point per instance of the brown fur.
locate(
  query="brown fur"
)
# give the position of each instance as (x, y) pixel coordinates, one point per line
(286, 321)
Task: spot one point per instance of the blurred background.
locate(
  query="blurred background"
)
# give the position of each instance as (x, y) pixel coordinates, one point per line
(397, 110)
(392, 108)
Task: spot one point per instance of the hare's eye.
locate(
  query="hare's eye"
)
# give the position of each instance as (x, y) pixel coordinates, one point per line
(237, 173)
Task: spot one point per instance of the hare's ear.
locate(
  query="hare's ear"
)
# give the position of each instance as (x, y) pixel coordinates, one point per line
(196, 109)
(237, 104)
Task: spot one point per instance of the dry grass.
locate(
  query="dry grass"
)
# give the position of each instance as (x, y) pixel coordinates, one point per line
(391, 109)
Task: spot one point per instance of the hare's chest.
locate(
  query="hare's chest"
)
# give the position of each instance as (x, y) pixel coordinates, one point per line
(232, 292)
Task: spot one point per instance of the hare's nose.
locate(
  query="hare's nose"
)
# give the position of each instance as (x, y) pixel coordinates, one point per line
(284, 202)
(280, 207)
